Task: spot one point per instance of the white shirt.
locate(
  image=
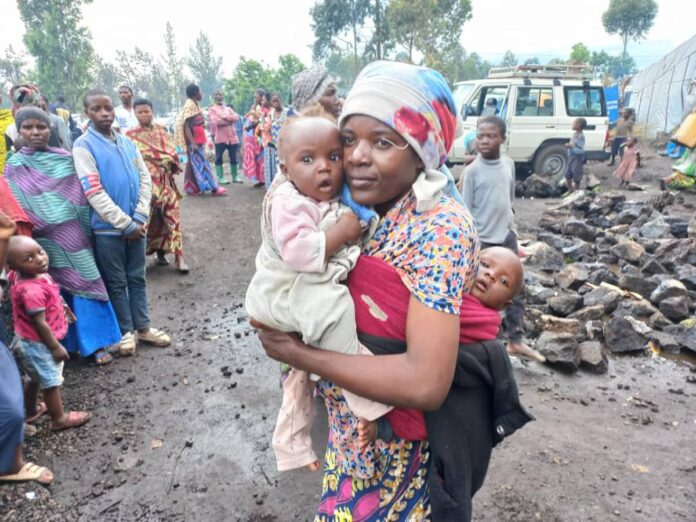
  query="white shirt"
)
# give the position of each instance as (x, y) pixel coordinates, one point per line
(125, 119)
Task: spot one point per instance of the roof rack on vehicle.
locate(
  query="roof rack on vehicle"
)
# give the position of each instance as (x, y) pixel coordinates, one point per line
(575, 72)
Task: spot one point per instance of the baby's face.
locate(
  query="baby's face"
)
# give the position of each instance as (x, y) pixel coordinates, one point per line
(498, 279)
(313, 158)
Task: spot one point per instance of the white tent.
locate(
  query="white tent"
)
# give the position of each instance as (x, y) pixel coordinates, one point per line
(665, 92)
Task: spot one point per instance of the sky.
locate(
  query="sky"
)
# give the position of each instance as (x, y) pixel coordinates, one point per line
(542, 28)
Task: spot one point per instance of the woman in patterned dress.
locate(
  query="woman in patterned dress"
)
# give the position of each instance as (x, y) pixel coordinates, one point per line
(158, 150)
(398, 124)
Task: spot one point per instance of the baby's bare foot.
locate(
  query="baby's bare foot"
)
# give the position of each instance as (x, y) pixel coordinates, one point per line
(367, 433)
(314, 466)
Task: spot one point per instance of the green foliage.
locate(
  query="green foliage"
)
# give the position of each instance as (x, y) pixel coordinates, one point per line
(205, 66)
(13, 66)
(580, 54)
(630, 19)
(509, 59)
(612, 66)
(172, 73)
(61, 45)
(250, 75)
(339, 24)
(532, 61)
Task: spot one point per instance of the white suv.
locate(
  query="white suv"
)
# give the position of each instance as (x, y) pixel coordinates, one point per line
(539, 104)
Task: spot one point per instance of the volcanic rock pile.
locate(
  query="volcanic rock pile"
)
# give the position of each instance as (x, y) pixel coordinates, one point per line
(608, 274)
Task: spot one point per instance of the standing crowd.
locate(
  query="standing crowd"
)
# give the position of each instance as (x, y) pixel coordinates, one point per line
(397, 279)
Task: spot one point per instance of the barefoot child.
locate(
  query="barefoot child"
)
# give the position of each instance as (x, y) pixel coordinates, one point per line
(576, 155)
(40, 323)
(309, 246)
(630, 161)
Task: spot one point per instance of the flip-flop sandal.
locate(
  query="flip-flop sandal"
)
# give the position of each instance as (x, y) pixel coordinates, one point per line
(162, 261)
(39, 412)
(183, 268)
(219, 192)
(29, 471)
(75, 420)
(155, 337)
(102, 357)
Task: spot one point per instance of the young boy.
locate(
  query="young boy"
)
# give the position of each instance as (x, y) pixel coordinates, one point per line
(118, 187)
(488, 189)
(576, 156)
(40, 322)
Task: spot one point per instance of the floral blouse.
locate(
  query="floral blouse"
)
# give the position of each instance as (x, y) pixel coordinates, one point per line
(435, 252)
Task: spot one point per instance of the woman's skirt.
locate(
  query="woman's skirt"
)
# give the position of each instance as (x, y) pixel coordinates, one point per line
(253, 159)
(270, 164)
(198, 176)
(96, 326)
(11, 410)
(397, 490)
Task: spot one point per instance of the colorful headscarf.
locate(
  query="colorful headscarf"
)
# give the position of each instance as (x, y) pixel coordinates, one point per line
(417, 103)
(308, 86)
(26, 95)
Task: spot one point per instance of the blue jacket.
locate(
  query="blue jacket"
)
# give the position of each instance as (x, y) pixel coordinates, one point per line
(115, 181)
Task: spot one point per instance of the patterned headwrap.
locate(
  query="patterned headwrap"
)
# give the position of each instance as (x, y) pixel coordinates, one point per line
(308, 86)
(418, 104)
(24, 95)
(31, 113)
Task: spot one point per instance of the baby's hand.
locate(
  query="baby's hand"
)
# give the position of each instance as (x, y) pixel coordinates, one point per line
(60, 354)
(350, 226)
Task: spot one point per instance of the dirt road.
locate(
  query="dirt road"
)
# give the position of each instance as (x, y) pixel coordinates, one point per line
(184, 433)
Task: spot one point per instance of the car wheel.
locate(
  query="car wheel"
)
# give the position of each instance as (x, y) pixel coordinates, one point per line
(551, 161)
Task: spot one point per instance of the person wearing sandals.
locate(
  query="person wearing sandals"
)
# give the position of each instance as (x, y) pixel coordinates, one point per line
(118, 188)
(158, 150)
(42, 182)
(13, 467)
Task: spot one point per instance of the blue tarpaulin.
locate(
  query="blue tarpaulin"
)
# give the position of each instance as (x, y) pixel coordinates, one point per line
(611, 97)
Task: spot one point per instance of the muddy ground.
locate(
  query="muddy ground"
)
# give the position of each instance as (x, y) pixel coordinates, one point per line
(184, 433)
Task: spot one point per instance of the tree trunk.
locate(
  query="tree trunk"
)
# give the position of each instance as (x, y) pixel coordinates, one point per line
(625, 45)
(378, 30)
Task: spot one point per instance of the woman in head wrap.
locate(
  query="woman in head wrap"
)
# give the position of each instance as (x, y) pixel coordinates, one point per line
(42, 180)
(397, 125)
(315, 87)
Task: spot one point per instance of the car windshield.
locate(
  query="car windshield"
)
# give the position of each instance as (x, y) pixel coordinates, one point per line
(461, 93)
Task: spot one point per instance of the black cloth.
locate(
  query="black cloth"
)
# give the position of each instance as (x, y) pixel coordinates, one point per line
(480, 410)
(232, 151)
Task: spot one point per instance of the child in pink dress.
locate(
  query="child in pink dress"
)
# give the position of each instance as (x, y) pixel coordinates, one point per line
(310, 244)
(630, 161)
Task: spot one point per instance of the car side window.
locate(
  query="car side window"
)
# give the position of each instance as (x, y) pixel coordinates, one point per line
(534, 101)
(491, 101)
(585, 101)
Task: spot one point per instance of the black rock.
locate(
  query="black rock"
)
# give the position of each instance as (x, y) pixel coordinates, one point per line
(580, 229)
(659, 321)
(625, 334)
(572, 276)
(685, 335)
(538, 295)
(580, 250)
(604, 296)
(600, 273)
(532, 277)
(554, 240)
(657, 228)
(589, 313)
(687, 275)
(675, 308)
(560, 350)
(679, 227)
(565, 303)
(652, 266)
(536, 186)
(677, 252)
(664, 341)
(547, 258)
(638, 308)
(592, 357)
(628, 250)
(668, 288)
(553, 219)
(639, 284)
(630, 211)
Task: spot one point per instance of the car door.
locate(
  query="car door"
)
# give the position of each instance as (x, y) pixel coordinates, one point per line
(496, 94)
(533, 120)
(585, 101)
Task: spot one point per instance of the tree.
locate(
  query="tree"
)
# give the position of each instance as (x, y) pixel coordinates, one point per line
(281, 78)
(431, 27)
(107, 77)
(204, 65)
(248, 76)
(630, 19)
(580, 54)
(338, 24)
(13, 66)
(532, 61)
(60, 44)
(612, 66)
(172, 71)
(509, 60)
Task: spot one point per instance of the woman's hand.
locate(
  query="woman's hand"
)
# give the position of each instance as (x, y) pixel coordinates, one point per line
(281, 346)
(7, 226)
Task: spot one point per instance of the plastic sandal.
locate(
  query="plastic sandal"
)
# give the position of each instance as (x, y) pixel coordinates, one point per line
(29, 472)
(155, 337)
(126, 346)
